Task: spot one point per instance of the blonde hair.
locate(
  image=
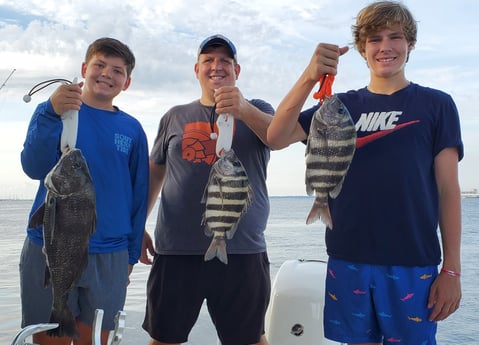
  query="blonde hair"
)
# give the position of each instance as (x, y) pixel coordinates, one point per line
(381, 15)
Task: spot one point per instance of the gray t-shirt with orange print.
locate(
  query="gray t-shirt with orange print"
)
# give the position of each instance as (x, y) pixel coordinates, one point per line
(184, 145)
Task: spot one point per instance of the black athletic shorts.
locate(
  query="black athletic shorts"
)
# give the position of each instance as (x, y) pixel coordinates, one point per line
(237, 296)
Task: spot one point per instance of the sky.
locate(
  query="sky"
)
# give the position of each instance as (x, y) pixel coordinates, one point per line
(47, 39)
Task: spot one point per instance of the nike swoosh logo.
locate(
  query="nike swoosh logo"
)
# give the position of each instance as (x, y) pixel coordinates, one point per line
(360, 142)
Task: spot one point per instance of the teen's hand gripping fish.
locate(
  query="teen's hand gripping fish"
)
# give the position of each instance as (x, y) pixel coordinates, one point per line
(329, 151)
(69, 117)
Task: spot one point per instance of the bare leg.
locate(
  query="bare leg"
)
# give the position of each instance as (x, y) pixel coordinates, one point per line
(43, 339)
(86, 335)
(156, 342)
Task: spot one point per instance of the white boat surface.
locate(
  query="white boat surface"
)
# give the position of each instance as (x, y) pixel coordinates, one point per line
(295, 312)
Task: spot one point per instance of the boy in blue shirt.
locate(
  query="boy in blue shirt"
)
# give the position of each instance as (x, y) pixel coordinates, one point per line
(115, 147)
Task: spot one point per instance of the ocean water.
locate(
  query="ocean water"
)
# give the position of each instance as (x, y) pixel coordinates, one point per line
(288, 238)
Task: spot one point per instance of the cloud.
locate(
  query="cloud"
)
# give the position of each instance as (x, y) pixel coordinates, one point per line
(275, 40)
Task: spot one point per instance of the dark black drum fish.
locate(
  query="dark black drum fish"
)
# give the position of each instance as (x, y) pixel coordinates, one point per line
(330, 149)
(68, 217)
(227, 196)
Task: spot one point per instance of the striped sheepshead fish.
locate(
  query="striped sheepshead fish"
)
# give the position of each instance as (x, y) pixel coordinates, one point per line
(227, 196)
(329, 152)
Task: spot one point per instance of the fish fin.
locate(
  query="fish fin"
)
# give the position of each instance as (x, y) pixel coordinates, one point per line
(217, 249)
(326, 218)
(93, 223)
(208, 232)
(205, 192)
(231, 232)
(309, 189)
(47, 280)
(336, 190)
(249, 200)
(37, 217)
(322, 213)
(250, 195)
(66, 324)
(313, 214)
(52, 206)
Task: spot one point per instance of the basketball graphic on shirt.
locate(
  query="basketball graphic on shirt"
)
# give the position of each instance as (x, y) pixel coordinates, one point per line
(197, 145)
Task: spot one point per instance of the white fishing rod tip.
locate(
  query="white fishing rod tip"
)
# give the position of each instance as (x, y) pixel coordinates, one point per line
(27, 98)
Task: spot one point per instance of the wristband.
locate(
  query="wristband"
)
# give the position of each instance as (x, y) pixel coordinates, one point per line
(450, 273)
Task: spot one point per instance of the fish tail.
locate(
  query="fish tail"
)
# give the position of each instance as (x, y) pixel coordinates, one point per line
(66, 324)
(326, 218)
(313, 214)
(317, 212)
(217, 249)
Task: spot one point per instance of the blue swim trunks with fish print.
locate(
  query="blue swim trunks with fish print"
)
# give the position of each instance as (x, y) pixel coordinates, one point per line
(378, 304)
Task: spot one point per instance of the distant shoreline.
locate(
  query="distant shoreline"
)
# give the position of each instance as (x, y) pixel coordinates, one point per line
(271, 197)
(472, 193)
(464, 194)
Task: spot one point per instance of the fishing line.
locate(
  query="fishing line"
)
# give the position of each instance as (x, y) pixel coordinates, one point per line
(40, 86)
(213, 135)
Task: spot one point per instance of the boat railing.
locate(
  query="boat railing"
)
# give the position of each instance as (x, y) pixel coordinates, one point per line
(24, 334)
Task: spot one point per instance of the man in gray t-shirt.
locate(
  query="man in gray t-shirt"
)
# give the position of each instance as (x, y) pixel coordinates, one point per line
(180, 280)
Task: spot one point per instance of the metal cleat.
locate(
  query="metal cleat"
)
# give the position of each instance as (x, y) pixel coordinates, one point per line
(117, 333)
(30, 330)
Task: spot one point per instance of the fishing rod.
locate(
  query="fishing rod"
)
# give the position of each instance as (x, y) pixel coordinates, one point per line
(9, 76)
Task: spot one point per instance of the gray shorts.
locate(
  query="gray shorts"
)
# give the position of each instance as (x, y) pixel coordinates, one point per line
(102, 286)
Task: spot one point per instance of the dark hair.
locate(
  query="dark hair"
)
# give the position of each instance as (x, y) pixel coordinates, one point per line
(380, 15)
(112, 47)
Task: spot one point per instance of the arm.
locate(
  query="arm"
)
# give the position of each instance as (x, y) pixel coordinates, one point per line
(445, 294)
(41, 149)
(157, 177)
(284, 128)
(229, 100)
(139, 173)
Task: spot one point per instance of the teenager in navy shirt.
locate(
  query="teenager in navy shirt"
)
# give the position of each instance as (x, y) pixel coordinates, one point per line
(383, 282)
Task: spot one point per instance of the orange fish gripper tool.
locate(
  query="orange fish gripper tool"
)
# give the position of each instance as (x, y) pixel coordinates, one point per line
(325, 87)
